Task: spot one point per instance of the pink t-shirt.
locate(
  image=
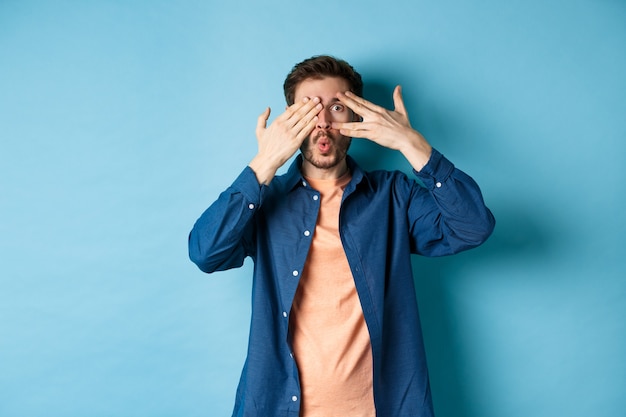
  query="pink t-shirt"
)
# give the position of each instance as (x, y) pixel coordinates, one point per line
(330, 338)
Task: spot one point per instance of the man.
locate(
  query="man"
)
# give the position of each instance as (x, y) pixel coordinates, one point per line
(335, 328)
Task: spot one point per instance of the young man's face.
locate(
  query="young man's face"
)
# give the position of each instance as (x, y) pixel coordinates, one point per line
(325, 148)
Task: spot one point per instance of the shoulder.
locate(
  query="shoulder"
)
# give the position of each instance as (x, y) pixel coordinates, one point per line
(393, 184)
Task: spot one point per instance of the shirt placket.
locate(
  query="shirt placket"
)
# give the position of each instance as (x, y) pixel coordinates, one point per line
(303, 234)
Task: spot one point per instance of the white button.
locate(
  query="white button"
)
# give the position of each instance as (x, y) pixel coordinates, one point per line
(438, 185)
(250, 206)
(315, 197)
(295, 273)
(307, 233)
(294, 398)
(304, 183)
(284, 314)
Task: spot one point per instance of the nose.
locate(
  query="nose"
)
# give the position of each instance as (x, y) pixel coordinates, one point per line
(324, 120)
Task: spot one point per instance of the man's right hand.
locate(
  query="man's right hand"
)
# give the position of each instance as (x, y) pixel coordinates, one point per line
(283, 137)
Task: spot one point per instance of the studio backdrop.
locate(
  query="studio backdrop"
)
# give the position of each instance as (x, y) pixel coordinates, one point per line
(120, 122)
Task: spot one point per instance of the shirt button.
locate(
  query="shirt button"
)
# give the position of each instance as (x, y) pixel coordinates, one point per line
(284, 314)
(251, 206)
(304, 183)
(295, 273)
(307, 233)
(315, 197)
(294, 398)
(438, 185)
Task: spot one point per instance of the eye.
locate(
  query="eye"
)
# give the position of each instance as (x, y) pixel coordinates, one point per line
(336, 108)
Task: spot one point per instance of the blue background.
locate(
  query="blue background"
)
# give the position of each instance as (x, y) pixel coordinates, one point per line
(121, 121)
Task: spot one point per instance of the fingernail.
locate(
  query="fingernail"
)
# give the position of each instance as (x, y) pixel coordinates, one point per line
(305, 100)
(316, 99)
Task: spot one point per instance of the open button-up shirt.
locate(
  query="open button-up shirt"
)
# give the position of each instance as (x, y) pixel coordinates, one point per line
(384, 218)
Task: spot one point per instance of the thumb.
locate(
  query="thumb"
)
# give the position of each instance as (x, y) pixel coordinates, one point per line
(398, 102)
(262, 120)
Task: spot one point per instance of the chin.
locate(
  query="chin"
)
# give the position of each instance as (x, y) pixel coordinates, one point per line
(323, 161)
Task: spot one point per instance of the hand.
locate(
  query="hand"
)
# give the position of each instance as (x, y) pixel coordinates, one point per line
(284, 136)
(387, 128)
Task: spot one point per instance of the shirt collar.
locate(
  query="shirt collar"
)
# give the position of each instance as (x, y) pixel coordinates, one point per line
(294, 178)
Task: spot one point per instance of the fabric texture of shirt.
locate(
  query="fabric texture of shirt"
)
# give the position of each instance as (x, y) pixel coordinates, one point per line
(384, 218)
(329, 337)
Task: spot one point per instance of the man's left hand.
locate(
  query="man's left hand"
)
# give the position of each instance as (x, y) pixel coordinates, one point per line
(387, 128)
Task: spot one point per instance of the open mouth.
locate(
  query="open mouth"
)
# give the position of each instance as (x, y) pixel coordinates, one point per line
(323, 144)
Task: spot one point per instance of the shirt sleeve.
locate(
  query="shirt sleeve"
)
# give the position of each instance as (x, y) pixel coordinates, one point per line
(223, 236)
(448, 215)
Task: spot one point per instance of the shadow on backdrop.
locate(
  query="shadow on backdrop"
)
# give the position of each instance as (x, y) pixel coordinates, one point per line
(370, 155)
(520, 236)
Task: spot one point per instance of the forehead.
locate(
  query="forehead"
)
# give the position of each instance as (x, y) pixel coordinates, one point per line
(325, 88)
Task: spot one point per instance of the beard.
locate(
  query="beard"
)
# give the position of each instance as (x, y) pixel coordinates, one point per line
(336, 153)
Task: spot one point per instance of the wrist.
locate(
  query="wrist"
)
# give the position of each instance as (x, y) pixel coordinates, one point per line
(417, 151)
(263, 169)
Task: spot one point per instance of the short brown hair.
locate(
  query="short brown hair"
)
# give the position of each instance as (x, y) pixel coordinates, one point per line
(319, 67)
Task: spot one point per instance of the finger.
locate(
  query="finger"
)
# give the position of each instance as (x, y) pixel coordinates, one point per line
(354, 129)
(358, 104)
(347, 125)
(262, 120)
(308, 109)
(306, 114)
(398, 102)
(306, 130)
(290, 111)
(307, 123)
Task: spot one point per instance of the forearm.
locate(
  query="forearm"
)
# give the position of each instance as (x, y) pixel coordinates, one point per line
(458, 210)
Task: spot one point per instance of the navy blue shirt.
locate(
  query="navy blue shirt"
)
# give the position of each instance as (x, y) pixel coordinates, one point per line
(384, 218)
